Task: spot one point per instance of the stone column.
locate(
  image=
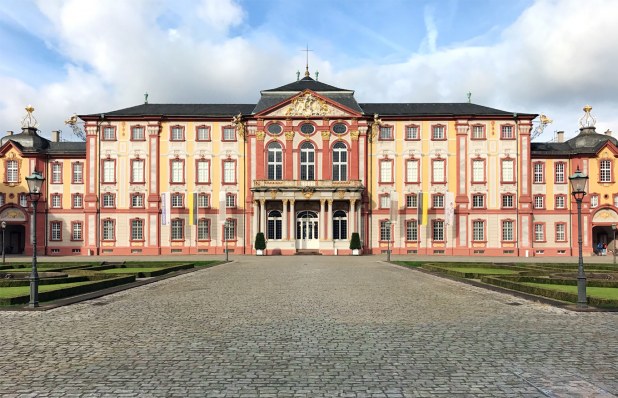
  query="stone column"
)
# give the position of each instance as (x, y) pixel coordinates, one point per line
(352, 216)
(263, 215)
(329, 223)
(323, 230)
(293, 219)
(256, 217)
(284, 222)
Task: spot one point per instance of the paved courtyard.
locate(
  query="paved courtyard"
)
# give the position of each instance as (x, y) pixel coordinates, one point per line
(308, 326)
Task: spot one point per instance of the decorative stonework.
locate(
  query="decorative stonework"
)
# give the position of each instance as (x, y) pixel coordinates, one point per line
(273, 194)
(326, 135)
(260, 135)
(308, 192)
(13, 215)
(307, 105)
(289, 135)
(354, 135)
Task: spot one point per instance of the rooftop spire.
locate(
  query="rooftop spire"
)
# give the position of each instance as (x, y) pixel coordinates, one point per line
(307, 74)
(29, 120)
(587, 120)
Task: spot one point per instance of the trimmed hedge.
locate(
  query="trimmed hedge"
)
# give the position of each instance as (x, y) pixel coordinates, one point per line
(72, 291)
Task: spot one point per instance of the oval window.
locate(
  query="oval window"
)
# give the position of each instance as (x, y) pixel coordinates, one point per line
(339, 128)
(307, 128)
(275, 129)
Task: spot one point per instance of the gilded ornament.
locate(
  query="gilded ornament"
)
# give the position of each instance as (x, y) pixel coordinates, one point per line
(375, 127)
(289, 135)
(308, 192)
(325, 135)
(260, 135)
(239, 124)
(307, 105)
(354, 135)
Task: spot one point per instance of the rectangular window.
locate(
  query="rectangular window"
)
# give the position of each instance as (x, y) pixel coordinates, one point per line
(108, 229)
(438, 201)
(539, 202)
(76, 234)
(385, 230)
(559, 175)
(137, 171)
(411, 201)
(229, 230)
(386, 132)
(478, 132)
(78, 173)
(203, 171)
(178, 171)
(438, 230)
(508, 201)
(507, 231)
(437, 133)
(560, 202)
(605, 171)
(56, 201)
(539, 233)
(386, 171)
(203, 133)
(478, 230)
(2, 199)
(230, 201)
(560, 232)
(109, 171)
(137, 200)
(594, 201)
(538, 173)
(616, 200)
(109, 133)
(203, 229)
(229, 172)
(412, 133)
(137, 133)
(137, 229)
(385, 202)
(56, 173)
(177, 200)
(56, 231)
(438, 172)
(177, 133)
(507, 132)
(203, 200)
(412, 171)
(109, 200)
(12, 171)
(412, 231)
(178, 229)
(478, 201)
(23, 200)
(478, 171)
(508, 167)
(229, 133)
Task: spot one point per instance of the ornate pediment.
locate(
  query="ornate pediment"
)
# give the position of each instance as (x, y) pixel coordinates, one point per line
(309, 104)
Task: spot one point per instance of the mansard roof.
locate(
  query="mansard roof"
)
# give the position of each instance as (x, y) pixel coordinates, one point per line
(180, 110)
(587, 142)
(306, 83)
(435, 109)
(29, 142)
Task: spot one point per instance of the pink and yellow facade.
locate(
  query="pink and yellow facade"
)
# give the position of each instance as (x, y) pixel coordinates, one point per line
(308, 166)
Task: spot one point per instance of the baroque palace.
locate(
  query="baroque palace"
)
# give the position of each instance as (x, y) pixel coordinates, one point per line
(308, 166)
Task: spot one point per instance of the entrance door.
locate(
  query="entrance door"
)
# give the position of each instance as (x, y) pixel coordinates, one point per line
(307, 228)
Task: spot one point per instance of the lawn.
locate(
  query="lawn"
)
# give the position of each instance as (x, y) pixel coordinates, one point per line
(481, 270)
(8, 292)
(130, 270)
(610, 293)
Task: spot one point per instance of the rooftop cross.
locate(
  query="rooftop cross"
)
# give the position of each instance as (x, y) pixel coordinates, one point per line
(307, 65)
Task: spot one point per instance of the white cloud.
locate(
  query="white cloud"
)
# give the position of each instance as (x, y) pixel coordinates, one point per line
(556, 57)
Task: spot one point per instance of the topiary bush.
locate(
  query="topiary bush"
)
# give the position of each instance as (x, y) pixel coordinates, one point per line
(355, 243)
(260, 242)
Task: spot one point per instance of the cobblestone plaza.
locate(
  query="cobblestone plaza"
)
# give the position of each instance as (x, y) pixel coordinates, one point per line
(308, 326)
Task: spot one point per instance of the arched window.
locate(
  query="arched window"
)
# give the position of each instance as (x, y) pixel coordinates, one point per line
(340, 225)
(274, 224)
(307, 161)
(340, 162)
(275, 161)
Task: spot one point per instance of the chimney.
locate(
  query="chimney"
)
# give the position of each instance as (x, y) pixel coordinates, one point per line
(9, 132)
(55, 136)
(608, 132)
(559, 136)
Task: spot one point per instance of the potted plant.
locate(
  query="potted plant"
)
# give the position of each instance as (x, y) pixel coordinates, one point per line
(260, 243)
(355, 243)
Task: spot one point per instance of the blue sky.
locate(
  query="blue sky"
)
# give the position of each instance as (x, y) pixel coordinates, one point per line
(93, 56)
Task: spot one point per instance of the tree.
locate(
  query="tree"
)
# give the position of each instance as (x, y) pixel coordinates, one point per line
(355, 243)
(260, 242)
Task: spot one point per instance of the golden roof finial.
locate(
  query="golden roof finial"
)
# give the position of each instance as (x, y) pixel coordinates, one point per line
(587, 120)
(29, 120)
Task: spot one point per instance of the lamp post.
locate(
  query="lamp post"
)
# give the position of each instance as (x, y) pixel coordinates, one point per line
(388, 224)
(35, 182)
(578, 190)
(226, 225)
(3, 248)
(613, 229)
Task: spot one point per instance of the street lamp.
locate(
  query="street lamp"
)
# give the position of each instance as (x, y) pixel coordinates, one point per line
(35, 183)
(3, 249)
(388, 224)
(613, 229)
(578, 190)
(226, 226)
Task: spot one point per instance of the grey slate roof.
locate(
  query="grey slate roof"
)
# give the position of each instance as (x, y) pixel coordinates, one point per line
(191, 110)
(433, 109)
(271, 99)
(28, 141)
(306, 83)
(67, 148)
(586, 142)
